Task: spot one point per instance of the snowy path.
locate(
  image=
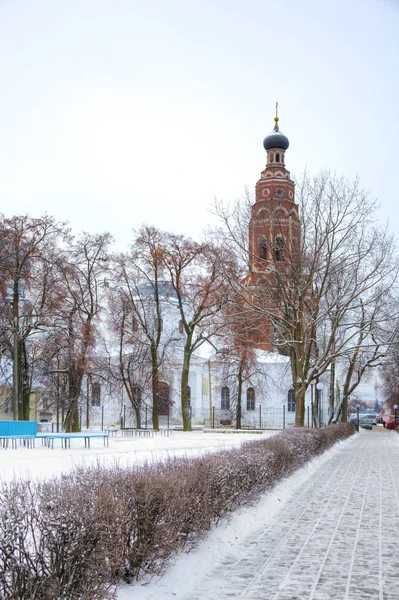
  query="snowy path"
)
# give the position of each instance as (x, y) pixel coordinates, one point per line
(336, 536)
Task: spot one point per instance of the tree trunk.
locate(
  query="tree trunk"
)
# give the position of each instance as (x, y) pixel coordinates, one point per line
(346, 389)
(299, 404)
(71, 423)
(24, 383)
(239, 398)
(185, 404)
(19, 376)
(315, 410)
(137, 412)
(155, 388)
(344, 410)
(332, 392)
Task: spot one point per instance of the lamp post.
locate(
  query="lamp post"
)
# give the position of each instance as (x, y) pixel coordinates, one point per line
(358, 418)
(312, 403)
(395, 406)
(319, 388)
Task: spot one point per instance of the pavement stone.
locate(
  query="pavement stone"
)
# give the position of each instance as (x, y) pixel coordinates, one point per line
(337, 537)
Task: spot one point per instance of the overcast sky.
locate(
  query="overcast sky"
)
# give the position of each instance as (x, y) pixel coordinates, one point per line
(119, 112)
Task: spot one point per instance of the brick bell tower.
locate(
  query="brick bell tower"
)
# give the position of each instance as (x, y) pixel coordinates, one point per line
(274, 229)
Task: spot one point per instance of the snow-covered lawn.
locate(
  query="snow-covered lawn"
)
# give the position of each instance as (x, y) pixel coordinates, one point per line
(42, 462)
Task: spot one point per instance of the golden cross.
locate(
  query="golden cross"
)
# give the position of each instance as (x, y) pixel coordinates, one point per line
(276, 117)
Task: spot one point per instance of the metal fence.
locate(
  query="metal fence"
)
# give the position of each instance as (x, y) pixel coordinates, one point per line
(261, 418)
(100, 417)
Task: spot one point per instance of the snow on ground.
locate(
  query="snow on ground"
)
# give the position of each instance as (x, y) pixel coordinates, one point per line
(192, 570)
(326, 532)
(42, 462)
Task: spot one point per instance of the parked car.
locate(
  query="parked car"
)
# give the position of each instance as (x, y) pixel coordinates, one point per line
(367, 423)
(372, 418)
(392, 424)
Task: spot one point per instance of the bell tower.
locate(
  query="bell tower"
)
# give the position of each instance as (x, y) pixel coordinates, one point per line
(274, 229)
(274, 232)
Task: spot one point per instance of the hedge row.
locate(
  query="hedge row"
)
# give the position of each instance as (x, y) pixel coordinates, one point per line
(76, 537)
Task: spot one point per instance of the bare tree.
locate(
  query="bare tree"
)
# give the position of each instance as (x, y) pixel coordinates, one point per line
(82, 270)
(314, 298)
(139, 279)
(390, 374)
(237, 364)
(197, 274)
(128, 358)
(375, 334)
(28, 295)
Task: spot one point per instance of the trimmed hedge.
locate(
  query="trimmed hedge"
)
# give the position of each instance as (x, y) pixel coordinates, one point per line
(76, 537)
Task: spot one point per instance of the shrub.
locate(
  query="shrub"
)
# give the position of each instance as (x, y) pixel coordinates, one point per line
(76, 537)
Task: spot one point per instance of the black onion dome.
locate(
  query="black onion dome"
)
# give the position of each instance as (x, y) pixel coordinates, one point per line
(276, 139)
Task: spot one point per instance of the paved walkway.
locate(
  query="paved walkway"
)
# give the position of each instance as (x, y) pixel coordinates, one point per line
(338, 538)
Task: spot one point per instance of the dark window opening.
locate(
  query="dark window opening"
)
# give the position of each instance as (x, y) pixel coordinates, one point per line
(225, 398)
(250, 399)
(95, 394)
(291, 400)
(277, 157)
(279, 247)
(137, 394)
(163, 399)
(263, 247)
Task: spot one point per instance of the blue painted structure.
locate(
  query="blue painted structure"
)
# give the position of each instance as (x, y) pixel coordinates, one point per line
(18, 428)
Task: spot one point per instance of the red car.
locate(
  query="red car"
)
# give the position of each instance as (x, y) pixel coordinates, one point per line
(392, 424)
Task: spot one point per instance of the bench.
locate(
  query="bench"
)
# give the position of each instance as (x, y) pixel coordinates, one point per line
(67, 437)
(111, 431)
(26, 440)
(146, 432)
(48, 439)
(165, 432)
(139, 432)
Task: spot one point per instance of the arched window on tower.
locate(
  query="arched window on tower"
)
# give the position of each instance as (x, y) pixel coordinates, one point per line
(291, 400)
(279, 247)
(225, 398)
(250, 398)
(271, 156)
(262, 247)
(277, 156)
